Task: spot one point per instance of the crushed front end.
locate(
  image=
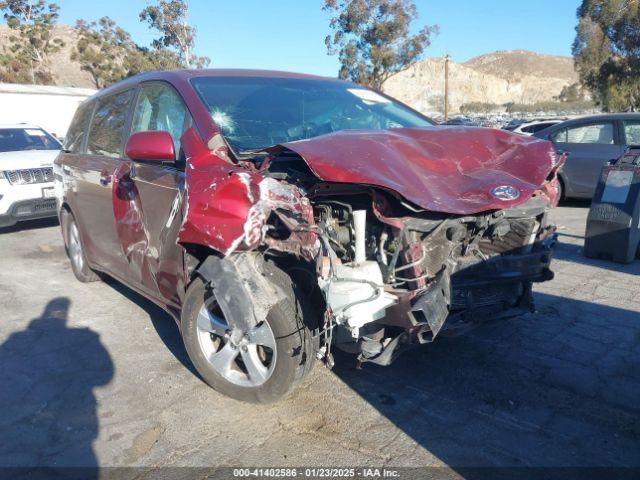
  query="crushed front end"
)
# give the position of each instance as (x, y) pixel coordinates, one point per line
(391, 279)
(396, 237)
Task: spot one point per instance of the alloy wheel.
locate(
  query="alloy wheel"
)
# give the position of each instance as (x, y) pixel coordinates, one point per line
(75, 247)
(244, 358)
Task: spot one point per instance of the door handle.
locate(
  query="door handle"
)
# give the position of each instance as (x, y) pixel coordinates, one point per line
(105, 179)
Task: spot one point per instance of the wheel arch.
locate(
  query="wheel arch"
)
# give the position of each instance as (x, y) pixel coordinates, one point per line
(563, 186)
(63, 212)
(199, 259)
(195, 255)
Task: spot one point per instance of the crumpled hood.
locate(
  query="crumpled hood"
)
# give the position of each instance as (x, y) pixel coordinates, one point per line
(450, 170)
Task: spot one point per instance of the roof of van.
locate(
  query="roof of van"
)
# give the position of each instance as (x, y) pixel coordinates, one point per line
(186, 75)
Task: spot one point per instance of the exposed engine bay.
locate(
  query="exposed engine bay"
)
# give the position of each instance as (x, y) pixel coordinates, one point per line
(387, 273)
(392, 275)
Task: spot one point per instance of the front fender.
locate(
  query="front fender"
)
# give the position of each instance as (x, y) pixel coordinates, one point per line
(228, 209)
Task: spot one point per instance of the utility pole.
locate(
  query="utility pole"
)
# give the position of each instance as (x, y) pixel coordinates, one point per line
(446, 87)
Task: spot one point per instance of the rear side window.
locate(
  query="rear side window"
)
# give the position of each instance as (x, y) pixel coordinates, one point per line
(559, 137)
(632, 132)
(530, 129)
(107, 125)
(536, 128)
(79, 125)
(597, 133)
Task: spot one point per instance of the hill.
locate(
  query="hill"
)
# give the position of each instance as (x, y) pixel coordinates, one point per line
(65, 72)
(516, 76)
(515, 64)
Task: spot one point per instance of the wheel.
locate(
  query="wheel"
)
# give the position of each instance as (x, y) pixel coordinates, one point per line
(75, 251)
(260, 365)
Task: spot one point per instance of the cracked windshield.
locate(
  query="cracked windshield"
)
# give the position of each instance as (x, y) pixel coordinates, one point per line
(255, 113)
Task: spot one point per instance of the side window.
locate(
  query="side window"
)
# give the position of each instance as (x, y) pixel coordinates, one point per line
(597, 133)
(79, 125)
(632, 132)
(559, 137)
(107, 125)
(159, 107)
(539, 126)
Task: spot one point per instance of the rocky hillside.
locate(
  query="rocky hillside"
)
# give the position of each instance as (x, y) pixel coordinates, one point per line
(506, 76)
(515, 64)
(66, 73)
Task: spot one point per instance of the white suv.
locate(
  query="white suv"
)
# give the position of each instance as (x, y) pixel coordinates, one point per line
(26, 174)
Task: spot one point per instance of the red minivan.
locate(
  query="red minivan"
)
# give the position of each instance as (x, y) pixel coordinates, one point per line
(276, 216)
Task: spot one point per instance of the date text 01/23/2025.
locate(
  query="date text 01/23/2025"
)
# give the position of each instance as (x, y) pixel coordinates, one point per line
(315, 473)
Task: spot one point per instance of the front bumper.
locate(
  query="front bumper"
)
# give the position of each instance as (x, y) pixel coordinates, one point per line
(25, 202)
(483, 289)
(29, 210)
(495, 288)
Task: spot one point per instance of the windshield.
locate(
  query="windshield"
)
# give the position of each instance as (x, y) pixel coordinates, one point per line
(255, 112)
(18, 139)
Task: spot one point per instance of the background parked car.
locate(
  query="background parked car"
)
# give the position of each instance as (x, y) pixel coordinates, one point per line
(513, 124)
(461, 121)
(26, 173)
(590, 142)
(529, 128)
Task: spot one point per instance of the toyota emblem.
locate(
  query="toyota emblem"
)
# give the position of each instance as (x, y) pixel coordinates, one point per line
(505, 193)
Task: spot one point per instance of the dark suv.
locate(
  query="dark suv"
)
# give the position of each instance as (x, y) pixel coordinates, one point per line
(276, 216)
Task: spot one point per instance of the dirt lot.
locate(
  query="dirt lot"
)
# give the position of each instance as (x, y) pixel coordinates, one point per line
(93, 374)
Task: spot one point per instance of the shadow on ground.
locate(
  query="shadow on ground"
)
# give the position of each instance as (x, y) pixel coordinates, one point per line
(47, 375)
(163, 323)
(30, 225)
(557, 388)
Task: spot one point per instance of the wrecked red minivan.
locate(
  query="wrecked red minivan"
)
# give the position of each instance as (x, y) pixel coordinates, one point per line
(277, 216)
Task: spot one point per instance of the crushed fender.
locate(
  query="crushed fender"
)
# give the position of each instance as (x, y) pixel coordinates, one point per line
(228, 208)
(240, 288)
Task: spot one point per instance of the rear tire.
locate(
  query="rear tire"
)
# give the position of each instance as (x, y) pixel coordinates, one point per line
(75, 250)
(259, 366)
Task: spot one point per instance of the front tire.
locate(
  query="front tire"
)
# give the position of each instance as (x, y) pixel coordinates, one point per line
(259, 366)
(75, 250)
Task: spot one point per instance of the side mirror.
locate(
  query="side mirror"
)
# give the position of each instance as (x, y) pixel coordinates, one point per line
(151, 146)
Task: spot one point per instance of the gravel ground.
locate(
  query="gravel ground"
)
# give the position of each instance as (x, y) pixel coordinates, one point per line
(94, 374)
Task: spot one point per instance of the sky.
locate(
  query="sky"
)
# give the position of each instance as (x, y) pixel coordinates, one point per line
(289, 34)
